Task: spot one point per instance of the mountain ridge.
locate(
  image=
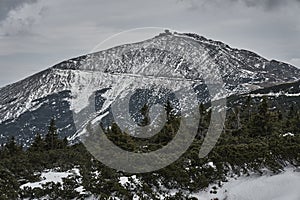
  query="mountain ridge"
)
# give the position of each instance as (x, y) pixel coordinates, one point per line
(242, 72)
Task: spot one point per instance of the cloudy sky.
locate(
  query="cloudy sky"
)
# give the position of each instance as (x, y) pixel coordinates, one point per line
(36, 34)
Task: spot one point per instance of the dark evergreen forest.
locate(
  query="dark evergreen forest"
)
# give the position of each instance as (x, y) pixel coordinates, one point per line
(256, 136)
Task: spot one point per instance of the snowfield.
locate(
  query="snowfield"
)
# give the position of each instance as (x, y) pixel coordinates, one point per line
(283, 186)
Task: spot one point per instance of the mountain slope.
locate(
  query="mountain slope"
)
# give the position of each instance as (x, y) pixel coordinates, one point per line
(27, 106)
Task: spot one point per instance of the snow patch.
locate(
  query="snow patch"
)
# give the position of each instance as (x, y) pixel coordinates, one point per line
(51, 176)
(288, 134)
(283, 186)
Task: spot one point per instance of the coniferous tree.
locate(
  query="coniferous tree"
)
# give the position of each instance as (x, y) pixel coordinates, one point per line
(51, 139)
(234, 119)
(12, 147)
(65, 142)
(169, 108)
(248, 107)
(38, 144)
(145, 114)
(292, 121)
(260, 124)
(202, 127)
(263, 107)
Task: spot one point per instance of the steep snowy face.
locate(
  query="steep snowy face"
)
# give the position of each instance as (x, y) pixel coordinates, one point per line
(165, 56)
(241, 70)
(246, 66)
(190, 59)
(20, 97)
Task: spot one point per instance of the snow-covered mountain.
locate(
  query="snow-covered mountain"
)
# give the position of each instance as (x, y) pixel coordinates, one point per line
(27, 106)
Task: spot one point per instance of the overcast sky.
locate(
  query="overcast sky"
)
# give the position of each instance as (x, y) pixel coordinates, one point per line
(36, 34)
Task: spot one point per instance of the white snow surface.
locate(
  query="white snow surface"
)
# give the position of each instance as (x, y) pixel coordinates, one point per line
(124, 180)
(283, 186)
(276, 94)
(288, 134)
(51, 176)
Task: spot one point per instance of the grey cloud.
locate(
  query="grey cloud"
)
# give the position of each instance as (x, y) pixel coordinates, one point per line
(270, 28)
(267, 4)
(8, 5)
(20, 21)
